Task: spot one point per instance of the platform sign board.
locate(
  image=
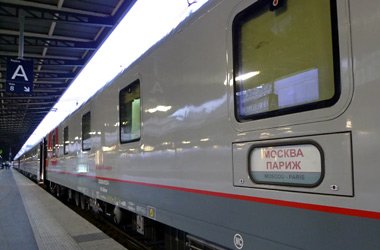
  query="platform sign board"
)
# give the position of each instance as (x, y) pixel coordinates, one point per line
(19, 77)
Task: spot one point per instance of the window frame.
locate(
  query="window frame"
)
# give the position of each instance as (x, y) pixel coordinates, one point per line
(54, 143)
(131, 85)
(65, 139)
(254, 10)
(86, 115)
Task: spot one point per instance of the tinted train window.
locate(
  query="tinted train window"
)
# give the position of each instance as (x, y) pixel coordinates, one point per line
(54, 143)
(129, 108)
(86, 131)
(286, 58)
(65, 140)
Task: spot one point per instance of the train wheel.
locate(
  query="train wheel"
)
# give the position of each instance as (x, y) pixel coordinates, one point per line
(58, 191)
(69, 195)
(95, 207)
(77, 199)
(52, 187)
(84, 204)
(118, 215)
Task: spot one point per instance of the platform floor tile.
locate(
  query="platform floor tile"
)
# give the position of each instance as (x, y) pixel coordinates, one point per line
(54, 225)
(15, 230)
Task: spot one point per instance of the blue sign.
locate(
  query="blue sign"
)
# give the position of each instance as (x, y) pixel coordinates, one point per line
(19, 78)
(18, 87)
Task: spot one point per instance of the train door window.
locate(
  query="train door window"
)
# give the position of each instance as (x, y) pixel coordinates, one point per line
(286, 58)
(129, 113)
(65, 140)
(86, 131)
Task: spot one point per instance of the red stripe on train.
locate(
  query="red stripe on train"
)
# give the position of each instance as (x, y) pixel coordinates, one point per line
(306, 206)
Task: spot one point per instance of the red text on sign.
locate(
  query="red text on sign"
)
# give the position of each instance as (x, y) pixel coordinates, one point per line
(283, 153)
(284, 165)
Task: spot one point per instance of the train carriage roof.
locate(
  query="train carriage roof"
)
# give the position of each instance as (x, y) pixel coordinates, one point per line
(60, 36)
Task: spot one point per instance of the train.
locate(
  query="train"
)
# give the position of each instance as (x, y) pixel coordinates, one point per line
(253, 125)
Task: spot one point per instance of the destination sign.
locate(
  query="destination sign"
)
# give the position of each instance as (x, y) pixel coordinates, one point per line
(288, 164)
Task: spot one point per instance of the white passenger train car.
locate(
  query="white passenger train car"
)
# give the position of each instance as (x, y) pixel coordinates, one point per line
(30, 164)
(253, 125)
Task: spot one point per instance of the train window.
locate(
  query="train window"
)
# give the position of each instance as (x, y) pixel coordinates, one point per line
(129, 113)
(54, 143)
(286, 58)
(86, 131)
(65, 140)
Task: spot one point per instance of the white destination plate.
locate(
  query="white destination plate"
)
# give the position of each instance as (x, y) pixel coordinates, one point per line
(299, 165)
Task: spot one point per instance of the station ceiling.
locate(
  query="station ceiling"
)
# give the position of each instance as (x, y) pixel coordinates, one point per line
(60, 36)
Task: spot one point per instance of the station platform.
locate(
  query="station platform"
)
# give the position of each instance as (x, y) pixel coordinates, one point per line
(30, 218)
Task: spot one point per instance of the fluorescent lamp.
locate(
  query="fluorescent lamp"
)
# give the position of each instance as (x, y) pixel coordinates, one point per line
(246, 76)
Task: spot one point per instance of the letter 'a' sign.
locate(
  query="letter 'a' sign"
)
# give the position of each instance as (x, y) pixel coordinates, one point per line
(19, 76)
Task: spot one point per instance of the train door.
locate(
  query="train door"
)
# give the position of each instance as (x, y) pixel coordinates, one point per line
(297, 90)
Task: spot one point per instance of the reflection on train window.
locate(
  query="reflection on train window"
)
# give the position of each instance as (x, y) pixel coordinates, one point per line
(284, 60)
(86, 131)
(65, 140)
(129, 108)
